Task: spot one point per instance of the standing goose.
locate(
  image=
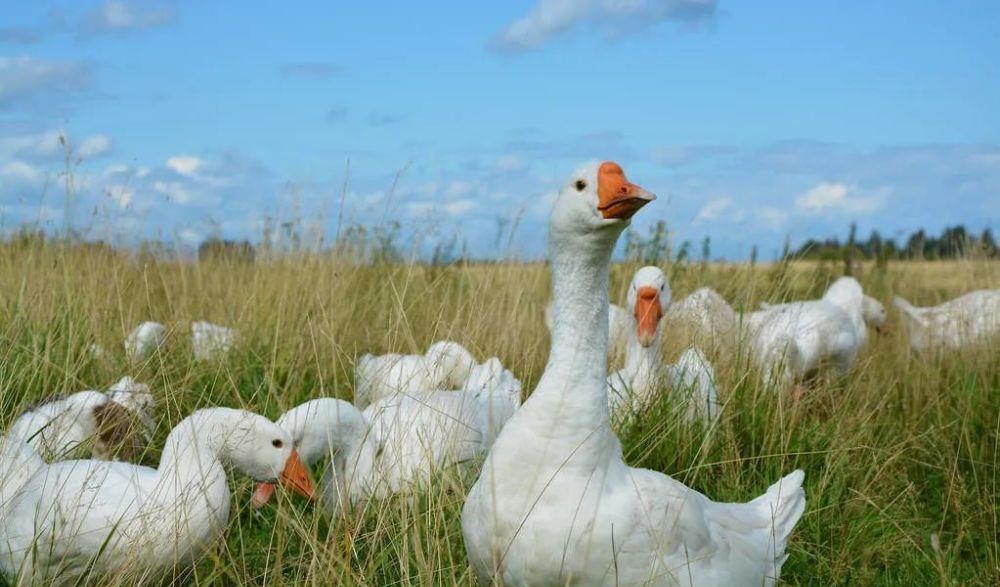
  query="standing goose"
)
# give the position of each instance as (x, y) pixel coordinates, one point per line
(555, 503)
(964, 321)
(73, 522)
(691, 380)
(398, 442)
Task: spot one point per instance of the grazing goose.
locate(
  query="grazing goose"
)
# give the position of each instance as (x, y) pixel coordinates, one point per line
(63, 428)
(555, 503)
(398, 442)
(788, 343)
(634, 387)
(964, 321)
(807, 334)
(146, 338)
(619, 324)
(74, 522)
(445, 365)
(872, 311)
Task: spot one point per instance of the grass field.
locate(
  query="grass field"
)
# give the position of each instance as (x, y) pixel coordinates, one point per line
(902, 450)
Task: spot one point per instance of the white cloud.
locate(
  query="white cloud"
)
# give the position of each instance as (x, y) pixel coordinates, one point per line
(185, 165)
(190, 236)
(38, 145)
(94, 146)
(121, 194)
(20, 171)
(549, 18)
(838, 197)
(119, 16)
(116, 169)
(713, 209)
(174, 191)
(50, 145)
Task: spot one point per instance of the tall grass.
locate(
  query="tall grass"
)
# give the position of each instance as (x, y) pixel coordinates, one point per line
(902, 449)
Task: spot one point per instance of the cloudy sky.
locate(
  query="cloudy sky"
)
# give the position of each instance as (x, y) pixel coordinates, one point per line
(752, 121)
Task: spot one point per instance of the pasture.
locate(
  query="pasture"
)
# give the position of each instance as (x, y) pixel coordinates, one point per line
(901, 456)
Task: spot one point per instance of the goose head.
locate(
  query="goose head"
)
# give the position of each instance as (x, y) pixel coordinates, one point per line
(596, 203)
(648, 297)
(137, 399)
(264, 451)
(874, 313)
(317, 428)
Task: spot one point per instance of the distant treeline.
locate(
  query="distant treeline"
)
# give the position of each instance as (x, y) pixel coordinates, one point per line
(955, 242)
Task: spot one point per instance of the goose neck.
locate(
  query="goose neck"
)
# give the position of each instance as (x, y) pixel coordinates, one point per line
(575, 375)
(642, 362)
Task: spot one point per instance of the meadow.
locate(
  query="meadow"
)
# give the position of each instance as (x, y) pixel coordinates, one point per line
(901, 456)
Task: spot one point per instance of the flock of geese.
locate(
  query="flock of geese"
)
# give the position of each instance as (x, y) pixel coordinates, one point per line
(555, 502)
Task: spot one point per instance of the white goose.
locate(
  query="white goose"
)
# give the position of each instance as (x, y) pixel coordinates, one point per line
(89, 419)
(872, 311)
(555, 503)
(445, 365)
(210, 341)
(76, 521)
(146, 338)
(619, 324)
(18, 462)
(792, 341)
(964, 321)
(691, 380)
(135, 397)
(398, 442)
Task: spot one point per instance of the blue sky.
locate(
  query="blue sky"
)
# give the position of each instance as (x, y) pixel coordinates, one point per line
(752, 121)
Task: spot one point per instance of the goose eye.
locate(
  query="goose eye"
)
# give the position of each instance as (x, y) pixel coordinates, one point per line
(277, 443)
(581, 185)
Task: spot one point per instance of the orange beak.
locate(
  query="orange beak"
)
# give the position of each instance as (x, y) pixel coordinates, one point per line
(617, 197)
(648, 313)
(295, 476)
